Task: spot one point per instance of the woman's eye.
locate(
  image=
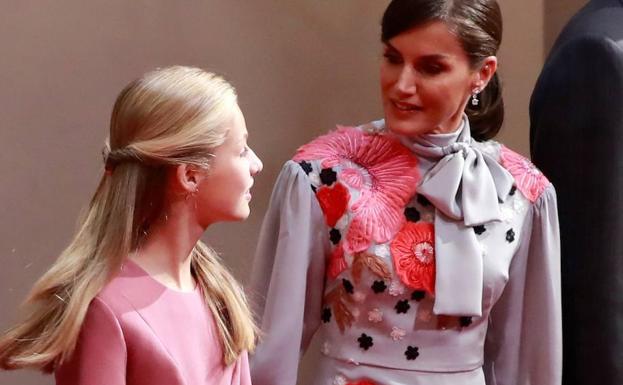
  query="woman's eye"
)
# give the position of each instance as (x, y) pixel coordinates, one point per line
(392, 58)
(432, 69)
(245, 151)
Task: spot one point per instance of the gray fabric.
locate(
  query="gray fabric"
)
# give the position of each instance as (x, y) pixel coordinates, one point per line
(517, 341)
(288, 277)
(524, 338)
(464, 185)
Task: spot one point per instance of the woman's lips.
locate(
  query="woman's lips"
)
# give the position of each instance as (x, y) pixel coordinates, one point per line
(405, 107)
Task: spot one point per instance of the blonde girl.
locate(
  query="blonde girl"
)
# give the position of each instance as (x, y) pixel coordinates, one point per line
(136, 297)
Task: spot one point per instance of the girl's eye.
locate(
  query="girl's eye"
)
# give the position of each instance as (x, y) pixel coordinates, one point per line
(245, 151)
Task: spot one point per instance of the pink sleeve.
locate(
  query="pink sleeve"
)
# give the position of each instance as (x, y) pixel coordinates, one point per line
(100, 355)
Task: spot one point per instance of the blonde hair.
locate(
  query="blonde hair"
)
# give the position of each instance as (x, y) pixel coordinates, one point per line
(170, 116)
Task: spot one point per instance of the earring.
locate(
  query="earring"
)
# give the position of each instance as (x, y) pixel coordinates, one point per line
(475, 101)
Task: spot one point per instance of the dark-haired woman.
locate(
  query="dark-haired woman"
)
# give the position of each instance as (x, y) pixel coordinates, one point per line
(422, 251)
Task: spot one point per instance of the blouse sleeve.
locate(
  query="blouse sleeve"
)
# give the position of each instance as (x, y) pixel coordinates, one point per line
(100, 355)
(287, 279)
(524, 339)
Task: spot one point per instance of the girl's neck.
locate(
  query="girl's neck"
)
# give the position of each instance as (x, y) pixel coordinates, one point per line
(166, 251)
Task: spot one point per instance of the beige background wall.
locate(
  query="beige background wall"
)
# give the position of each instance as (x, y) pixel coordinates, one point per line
(300, 66)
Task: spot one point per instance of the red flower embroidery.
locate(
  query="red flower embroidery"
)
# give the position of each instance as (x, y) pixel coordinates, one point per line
(333, 201)
(413, 252)
(530, 181)
(362, 382)
(389, 180)
(336, 262)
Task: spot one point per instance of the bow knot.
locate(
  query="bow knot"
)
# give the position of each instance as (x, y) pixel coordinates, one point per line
(465, 185)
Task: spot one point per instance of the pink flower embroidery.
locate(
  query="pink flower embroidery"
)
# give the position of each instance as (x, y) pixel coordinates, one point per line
(413, 251)
(393, 176)
(530, 181)
(353, 177)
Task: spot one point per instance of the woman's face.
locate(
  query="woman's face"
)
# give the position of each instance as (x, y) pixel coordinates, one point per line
(426, 80)
(224, 194)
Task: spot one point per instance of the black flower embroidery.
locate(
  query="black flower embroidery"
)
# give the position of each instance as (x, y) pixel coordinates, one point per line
(379, 286)
(402, 306)
(423, 200)
(313, 188)
(348, 286)
(465, 321)
(480, 229)
(306, 166)
(328, 176)
(412, 352)
(335, 236)
(365, 341)
(513, 189)
(412, 214)
(326, 315)
(418, 295)
(510, 236)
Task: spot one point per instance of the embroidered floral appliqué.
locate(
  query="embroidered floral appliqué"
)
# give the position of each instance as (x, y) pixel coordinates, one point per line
(530, 181)
(362, 382)
(333, 202)
(397, 333)
(336, 262)
(414, 255)
(392, 170)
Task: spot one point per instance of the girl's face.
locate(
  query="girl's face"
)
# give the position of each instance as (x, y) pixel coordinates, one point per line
(426, 80)
(224, 194)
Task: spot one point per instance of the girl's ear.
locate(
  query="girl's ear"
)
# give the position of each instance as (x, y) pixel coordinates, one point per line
(485, 73)
(187, 178)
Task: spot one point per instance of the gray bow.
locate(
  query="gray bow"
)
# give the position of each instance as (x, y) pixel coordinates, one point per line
(464, 185)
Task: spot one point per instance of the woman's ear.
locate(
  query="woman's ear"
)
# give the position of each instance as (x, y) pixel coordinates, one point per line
(485, 73)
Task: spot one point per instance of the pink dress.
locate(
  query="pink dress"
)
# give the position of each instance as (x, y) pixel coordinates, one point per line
(137, 331)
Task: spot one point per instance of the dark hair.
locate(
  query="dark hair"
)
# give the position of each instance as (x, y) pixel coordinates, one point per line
(478, 26)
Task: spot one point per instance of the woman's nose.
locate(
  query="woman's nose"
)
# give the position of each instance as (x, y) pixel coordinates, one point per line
(406, 82)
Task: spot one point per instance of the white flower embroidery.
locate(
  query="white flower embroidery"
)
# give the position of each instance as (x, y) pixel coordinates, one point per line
(375, 315)
(507, 214)
(397, 333)
(355, 312)
(518, 205)
(359, 297)
(339, 380)
(396, 288)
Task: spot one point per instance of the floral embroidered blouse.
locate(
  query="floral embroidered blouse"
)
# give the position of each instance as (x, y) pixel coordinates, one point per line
(433, 260)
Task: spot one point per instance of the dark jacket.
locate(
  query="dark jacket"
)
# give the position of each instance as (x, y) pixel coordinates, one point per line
(576, 138)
